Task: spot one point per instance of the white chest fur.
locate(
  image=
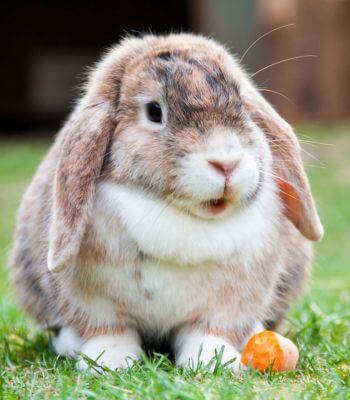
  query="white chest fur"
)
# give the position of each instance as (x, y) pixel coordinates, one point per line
(189, 264)
(156, 295)
(166, 233)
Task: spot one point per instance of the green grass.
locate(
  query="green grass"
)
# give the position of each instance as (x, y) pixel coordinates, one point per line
(319, 323)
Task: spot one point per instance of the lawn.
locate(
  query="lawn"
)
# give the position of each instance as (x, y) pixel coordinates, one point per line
(319, 323)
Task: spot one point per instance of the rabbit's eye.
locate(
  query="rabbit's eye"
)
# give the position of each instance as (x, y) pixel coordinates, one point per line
(154, 112)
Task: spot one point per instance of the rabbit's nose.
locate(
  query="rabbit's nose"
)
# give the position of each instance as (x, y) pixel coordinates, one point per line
(225, 167)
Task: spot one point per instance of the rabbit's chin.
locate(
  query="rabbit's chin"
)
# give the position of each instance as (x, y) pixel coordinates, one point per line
(229, 201)
(216, 208)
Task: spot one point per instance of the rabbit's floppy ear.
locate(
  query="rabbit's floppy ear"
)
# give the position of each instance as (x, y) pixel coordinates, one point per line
(83, 144)
(288, 167)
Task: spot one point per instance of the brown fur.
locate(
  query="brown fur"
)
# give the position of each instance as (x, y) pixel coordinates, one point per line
(203, 87)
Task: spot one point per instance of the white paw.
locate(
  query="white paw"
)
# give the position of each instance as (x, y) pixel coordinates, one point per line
(113, 352)
(67, 342)
(194, 348)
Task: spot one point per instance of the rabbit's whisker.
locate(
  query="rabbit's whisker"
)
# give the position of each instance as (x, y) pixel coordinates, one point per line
(275, 92)
(261, 37)
(282, 62)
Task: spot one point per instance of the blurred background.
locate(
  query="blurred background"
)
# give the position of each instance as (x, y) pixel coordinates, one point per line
(46, 46)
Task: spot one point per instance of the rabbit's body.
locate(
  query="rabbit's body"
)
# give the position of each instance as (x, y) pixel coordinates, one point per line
(170, 260)
(137, 259)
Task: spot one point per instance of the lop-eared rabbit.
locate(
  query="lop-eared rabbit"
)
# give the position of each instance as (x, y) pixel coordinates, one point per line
(173, 206)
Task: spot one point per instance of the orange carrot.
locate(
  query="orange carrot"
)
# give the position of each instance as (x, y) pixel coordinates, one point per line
(269, 349)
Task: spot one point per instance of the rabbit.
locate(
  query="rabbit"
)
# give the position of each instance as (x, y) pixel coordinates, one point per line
(173, 206)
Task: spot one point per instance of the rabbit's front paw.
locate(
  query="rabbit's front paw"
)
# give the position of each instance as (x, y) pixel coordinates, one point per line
(109, 351)
(67, 342)
(194, 348)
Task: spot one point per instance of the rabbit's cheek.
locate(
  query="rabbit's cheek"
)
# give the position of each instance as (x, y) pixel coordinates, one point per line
(203, 184)
(198, 180)
(244, 181)
(223, 171)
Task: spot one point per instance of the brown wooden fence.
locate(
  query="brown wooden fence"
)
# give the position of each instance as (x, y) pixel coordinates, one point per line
(319, 87)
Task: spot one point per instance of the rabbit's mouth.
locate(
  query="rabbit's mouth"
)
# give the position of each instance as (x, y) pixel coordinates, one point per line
(216, 206)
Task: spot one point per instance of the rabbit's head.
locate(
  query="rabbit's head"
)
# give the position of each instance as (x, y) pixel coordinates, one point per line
(176, 117)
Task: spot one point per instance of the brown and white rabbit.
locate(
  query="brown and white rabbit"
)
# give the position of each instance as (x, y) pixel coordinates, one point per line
(173, 204)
